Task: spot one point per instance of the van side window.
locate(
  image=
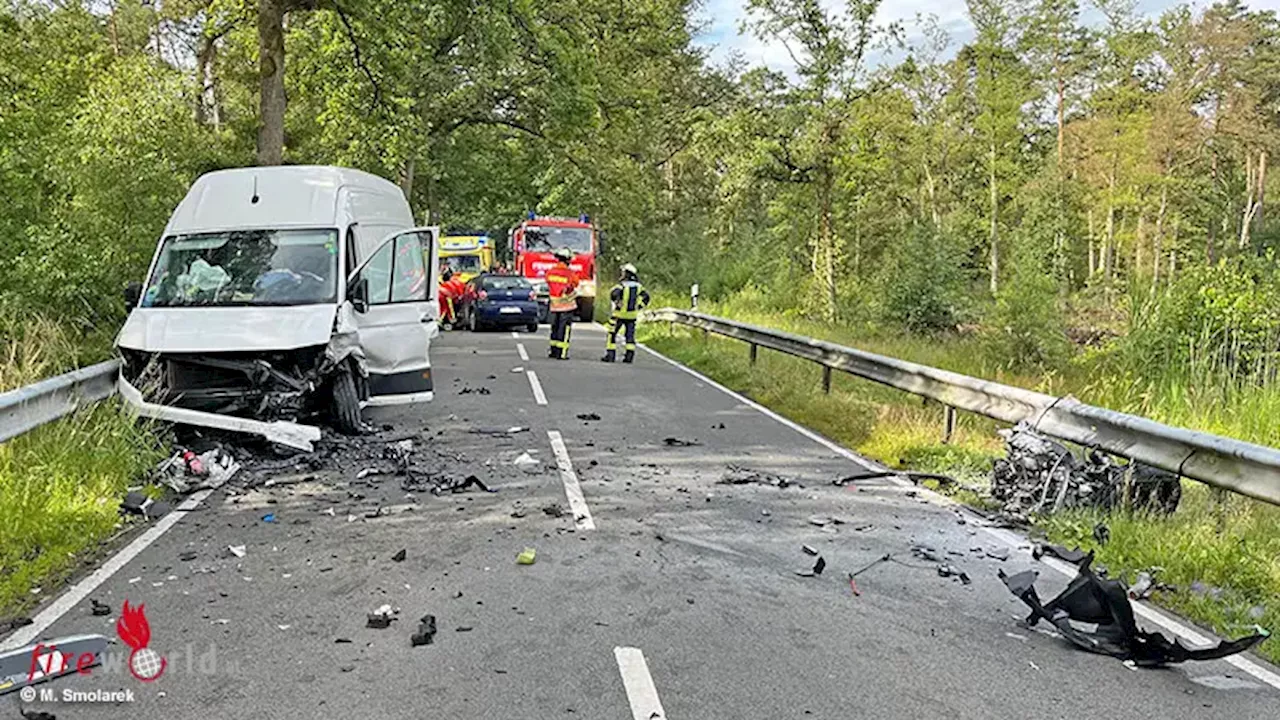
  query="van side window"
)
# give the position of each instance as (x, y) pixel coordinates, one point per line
(378, 272)
(409, 273)
(351, 250)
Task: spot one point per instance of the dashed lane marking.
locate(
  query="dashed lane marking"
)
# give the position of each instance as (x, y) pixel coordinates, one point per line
(538, 395)
(572, 490)
(641, 693)
(524, 354)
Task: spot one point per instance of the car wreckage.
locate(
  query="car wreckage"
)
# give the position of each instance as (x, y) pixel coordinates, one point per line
(278, 294)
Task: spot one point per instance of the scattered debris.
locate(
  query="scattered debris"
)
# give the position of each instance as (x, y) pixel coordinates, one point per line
(924, 552)
(914, 477)
(945, 570)
(528, 463)
(1042, 475)
(680, 442)
(400, 555)
(554, 510)
(478, 390)
(381, 618)
(457, 486)
(500, 431)
(426, 631)
(817, 569)
(1000, 553)
(809, 550)
(746, 476)
(588, 417)
(185, 472)
(1105, 604)
(517, 369)
(236, 550)
(100, 609)
(37, 715)
(528, 556)
(269, 518)
(1072, 556)
(1101, 533)
(139, 504)
(188, 555)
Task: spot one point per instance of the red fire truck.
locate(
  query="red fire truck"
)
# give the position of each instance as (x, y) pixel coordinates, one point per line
(533, 241)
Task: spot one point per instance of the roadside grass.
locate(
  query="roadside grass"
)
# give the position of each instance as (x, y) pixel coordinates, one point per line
(61, 484)
(1225, 542)
(60, 491)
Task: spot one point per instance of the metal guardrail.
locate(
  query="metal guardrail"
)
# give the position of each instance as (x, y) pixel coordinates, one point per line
(1235, 465)
(34, 405)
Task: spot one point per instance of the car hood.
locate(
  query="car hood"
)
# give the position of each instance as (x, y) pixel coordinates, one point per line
(227, 329)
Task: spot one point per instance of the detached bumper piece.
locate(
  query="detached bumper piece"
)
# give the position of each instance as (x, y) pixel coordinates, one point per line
(1105, 604)
(285, 433)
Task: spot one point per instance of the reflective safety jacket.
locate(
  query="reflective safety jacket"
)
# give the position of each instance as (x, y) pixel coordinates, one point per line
(562, 284)
(628, 297)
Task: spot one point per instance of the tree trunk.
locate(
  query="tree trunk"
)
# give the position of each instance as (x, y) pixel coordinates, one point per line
(1139, 238)
(1157, 251)
(1262, 186)
(207, 109)
(115, 35)
(1093, 265)
(995, 223)
(271, 97)
(406, 178)
(1109, 241)
(1246, 214)
(826, 241)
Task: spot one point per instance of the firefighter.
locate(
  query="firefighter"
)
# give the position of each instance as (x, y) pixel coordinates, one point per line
(627, 298)
(562, 284)
(447, 293)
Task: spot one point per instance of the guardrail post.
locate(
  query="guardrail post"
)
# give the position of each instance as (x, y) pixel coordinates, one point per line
(754, 347)
(826, 379)
(949, 425)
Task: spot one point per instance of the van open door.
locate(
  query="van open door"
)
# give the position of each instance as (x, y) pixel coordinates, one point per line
(393, 294)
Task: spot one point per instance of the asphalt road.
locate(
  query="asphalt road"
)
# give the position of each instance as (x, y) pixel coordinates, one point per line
(671, 593)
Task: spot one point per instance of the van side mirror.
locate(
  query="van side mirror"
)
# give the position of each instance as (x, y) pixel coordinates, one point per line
(358, 294)
(132, 294)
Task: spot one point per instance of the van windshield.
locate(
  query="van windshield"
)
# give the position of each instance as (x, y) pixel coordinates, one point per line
(245, 267)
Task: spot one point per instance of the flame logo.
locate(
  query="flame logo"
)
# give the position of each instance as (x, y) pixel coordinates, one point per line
(145, 664)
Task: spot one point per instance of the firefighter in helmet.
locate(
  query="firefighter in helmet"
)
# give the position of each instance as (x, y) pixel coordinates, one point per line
(627, 299)
(562, 284)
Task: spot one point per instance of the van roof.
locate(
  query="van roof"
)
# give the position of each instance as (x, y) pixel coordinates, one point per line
(286, 195)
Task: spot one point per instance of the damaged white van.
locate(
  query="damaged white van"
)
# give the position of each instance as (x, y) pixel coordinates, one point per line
(279, 293)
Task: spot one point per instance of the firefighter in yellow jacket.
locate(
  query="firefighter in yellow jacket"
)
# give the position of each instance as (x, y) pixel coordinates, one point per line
(628, 298)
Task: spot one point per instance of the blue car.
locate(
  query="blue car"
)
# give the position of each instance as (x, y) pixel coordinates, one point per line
(500, 301)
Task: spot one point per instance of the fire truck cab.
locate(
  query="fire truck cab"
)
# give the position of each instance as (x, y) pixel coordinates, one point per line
(533, 241)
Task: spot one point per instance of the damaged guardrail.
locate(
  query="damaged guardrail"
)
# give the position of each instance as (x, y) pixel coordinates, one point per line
(34, 405)
(1227, 463)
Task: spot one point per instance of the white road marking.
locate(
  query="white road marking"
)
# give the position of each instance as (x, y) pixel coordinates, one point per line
(1013, 540)
(74, 596)
(515, 334)
(572, 490)
(538, 395)
(524, 354)
(641, 693)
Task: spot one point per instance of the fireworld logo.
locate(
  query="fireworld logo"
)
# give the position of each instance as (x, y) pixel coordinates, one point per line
(145, 663)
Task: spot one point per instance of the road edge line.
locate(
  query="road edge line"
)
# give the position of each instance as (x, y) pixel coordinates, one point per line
(538, 396)
(77, 593)
(642, 695)
(572, 488)
(1008, 537)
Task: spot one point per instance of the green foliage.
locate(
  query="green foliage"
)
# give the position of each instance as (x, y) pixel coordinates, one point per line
(924, 286)
(1025, 327)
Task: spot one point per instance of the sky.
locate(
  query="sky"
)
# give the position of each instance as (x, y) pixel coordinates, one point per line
(722, 19)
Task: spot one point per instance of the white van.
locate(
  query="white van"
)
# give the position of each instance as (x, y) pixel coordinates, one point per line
(278, 292)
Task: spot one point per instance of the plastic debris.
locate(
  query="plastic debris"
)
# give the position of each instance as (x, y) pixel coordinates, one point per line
(426, 631)
(998, 553)
(528, 463)
(818, 567)
(100, 609)
(269, 518)
(680, 442)
(528, 556)
(809, 550)
(400, 556)
(457, 486)
(746, 476)
(139, 504)
(588, 417)
(381, 618)
(236, 550)
(555, 510)
(1104, 604)
(187, 555)
(945, 570)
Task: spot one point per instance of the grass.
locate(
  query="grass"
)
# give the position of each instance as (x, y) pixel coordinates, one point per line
(60, 484)
(1231, 543)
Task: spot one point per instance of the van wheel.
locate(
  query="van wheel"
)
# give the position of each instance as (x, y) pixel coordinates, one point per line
(346, 403)
(532, 327)
(472, 323)
(586, 309)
